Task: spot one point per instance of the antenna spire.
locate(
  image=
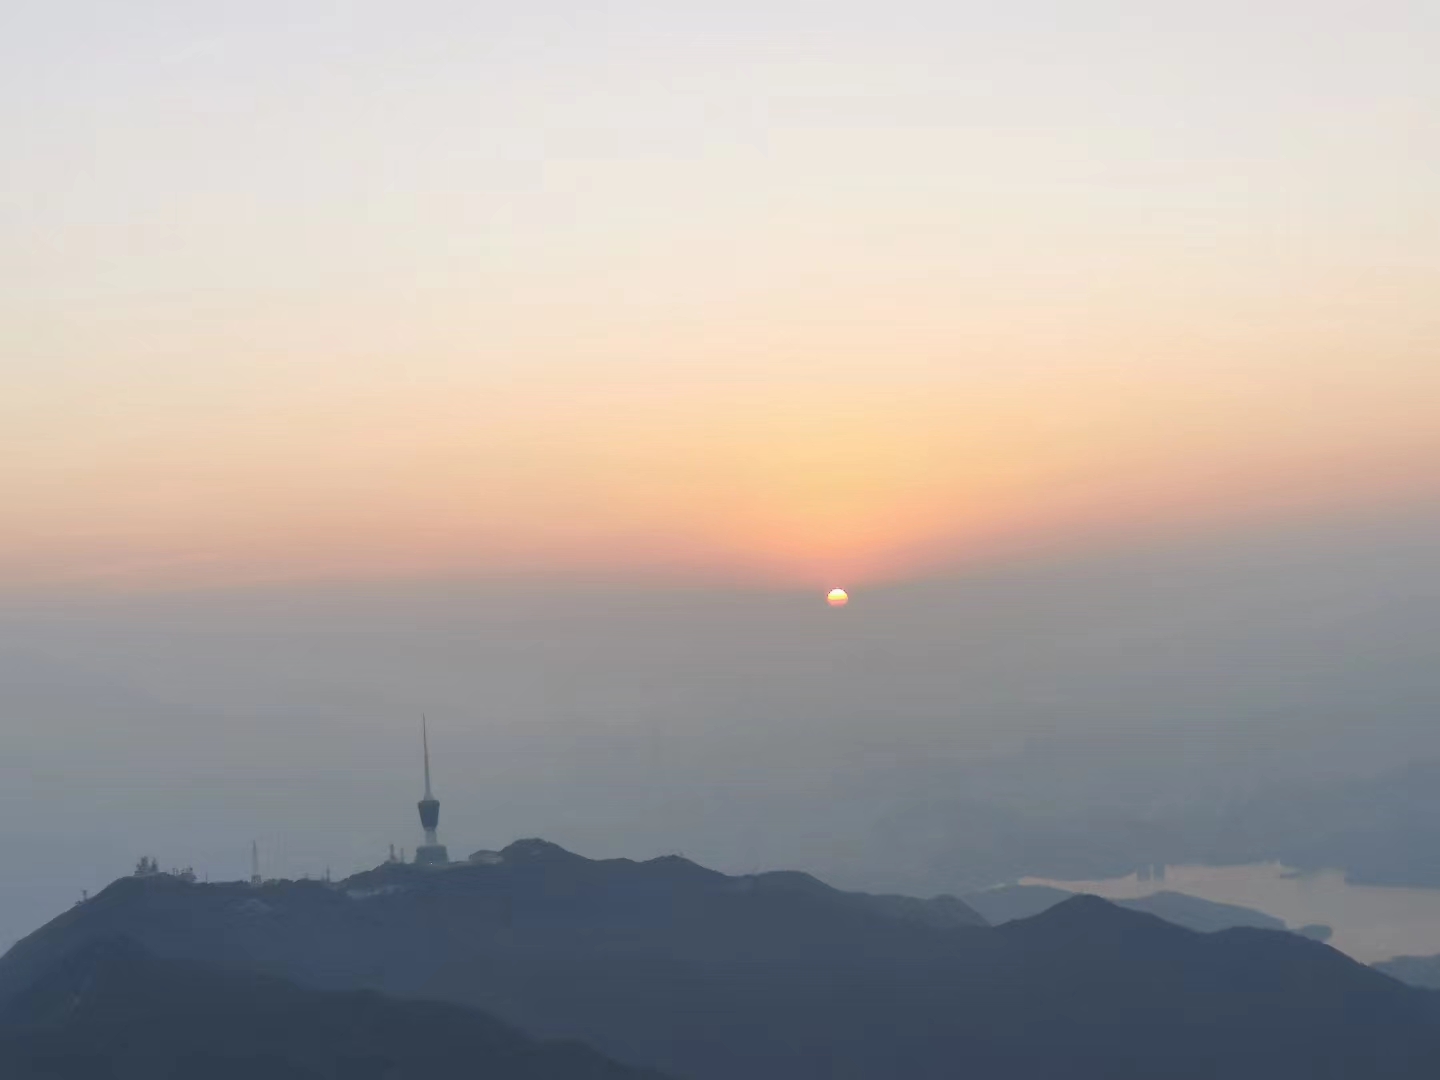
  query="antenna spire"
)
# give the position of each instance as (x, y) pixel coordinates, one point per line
(425, 741)
(432, 852)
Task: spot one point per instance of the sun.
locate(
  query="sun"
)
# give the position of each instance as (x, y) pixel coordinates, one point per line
(837, 598)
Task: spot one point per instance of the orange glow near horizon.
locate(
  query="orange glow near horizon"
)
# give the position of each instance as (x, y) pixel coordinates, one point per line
(724, 482)
(943, 299)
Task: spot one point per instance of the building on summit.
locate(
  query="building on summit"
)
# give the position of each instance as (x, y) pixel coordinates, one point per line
(149, 866)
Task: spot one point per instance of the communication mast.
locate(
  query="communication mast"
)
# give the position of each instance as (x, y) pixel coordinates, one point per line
(432, 852)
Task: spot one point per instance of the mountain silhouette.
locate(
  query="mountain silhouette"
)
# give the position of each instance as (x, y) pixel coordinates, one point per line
(113, 1010)
(1009, 902)
(705, 976)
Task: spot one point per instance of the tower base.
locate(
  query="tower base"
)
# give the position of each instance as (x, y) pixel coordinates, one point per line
(431, 855)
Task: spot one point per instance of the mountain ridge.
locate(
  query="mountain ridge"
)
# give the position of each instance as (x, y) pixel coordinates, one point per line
(672, 966)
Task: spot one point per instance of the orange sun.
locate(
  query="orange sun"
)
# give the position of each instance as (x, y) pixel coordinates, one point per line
(837, 598)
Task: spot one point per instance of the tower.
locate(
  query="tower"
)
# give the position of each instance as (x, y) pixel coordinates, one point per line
(255, 878)
(432, 852)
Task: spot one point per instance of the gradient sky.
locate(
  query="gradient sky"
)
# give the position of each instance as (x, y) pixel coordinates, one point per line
(1094, 346)
(790, 292)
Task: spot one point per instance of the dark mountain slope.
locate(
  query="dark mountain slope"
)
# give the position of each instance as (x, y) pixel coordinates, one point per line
(111, 1010)
(1119, 978)
(778, 976)
(388, 925)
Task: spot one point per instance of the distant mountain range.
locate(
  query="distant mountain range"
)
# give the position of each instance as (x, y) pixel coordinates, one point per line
(667, 965)
(1423, 971)
(1009, 902)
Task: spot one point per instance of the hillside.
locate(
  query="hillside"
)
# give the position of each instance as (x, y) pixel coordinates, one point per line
(113, 1010)
(709, 977)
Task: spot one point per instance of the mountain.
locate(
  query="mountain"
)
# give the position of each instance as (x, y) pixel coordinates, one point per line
(113, 1010)
(1206, 916)
(668, 965)
(1006, 903)
(1009, 902)
(1416, 970)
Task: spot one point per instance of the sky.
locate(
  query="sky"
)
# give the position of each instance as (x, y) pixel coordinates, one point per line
(542, 366)
(792, 294)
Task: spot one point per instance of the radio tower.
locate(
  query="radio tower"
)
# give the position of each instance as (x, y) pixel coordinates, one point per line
(432, 852)
(255, 878)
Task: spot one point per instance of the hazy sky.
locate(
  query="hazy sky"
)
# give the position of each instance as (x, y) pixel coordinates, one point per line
(789, 293)
(541, 365)
(901, 744)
